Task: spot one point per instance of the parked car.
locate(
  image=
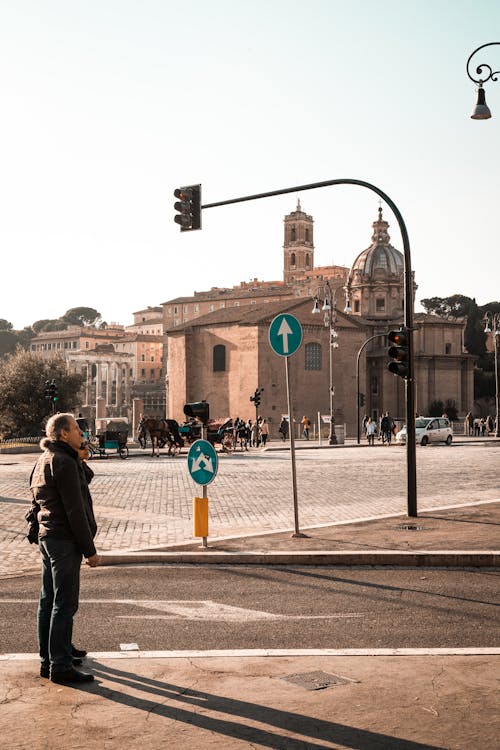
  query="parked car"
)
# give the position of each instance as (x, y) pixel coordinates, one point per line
(429, 430)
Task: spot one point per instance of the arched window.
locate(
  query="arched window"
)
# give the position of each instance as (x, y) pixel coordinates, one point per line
(307, 260)
(292, 259)
(313, 356)
(219, 358)
(293, 234)
(307, 234)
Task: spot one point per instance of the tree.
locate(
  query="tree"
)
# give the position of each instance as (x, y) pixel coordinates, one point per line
(24, 407)
(458, 306)
(8, 342)
(5, 325)
(82, 316)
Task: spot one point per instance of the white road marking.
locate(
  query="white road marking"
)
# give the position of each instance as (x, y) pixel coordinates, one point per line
(198, 609)
(275, 652)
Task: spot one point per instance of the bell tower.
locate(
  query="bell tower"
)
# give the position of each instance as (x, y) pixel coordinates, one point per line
(298, 247)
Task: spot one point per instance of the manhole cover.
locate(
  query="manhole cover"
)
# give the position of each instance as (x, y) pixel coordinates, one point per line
(409, 527)
(317, 680)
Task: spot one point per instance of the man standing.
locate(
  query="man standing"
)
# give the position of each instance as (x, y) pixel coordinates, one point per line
(59, 484)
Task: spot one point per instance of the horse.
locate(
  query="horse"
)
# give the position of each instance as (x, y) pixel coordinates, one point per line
(161, 432)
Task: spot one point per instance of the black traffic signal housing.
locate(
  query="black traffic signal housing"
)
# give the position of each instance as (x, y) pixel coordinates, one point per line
(189, 207)
(51, 391)
(198, 410)
(361, 399)
(399, 352)
(256, 397)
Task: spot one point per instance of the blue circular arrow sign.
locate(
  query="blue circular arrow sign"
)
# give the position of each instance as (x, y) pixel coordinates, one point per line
(202, 462)
(285, 334)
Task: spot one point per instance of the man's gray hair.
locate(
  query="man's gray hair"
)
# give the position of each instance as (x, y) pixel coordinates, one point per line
(56, 424)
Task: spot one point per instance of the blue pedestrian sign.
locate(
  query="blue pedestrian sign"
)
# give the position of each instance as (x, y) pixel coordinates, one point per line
(202, 462)
(285, 335)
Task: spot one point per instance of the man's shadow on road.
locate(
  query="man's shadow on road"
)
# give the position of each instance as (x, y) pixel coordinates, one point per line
(313, 729)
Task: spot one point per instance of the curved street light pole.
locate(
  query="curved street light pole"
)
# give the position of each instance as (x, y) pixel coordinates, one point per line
(493, 326)
(411, 469)
(330, 318)
(377, 336)
(481, 110)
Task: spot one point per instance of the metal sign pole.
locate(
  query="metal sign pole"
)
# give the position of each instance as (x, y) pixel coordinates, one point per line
(292, 454)
(205, 496)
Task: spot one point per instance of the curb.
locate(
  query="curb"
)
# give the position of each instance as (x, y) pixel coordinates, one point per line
(406, 559)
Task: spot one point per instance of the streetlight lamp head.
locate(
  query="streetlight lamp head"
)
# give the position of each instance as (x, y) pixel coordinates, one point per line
(316, 309)
(326, 306)
(481, 111)
(347, 308)
(487, 328)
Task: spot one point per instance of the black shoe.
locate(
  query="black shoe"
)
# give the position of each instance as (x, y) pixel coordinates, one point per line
(70, 675)
(78, 653)
(45, 668)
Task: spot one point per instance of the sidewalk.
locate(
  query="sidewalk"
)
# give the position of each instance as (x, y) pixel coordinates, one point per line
(230, 703)
(461, 536)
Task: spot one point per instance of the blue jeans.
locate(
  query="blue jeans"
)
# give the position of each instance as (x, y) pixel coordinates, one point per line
(61, 563)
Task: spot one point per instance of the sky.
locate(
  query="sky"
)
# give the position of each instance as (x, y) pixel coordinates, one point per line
(109, 105)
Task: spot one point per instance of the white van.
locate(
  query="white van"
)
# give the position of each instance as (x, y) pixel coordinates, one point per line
(429, 430)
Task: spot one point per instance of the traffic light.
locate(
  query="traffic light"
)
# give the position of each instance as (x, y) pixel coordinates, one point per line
(189, 207)
(199, 410)
(51, 390)
(361, 399)
(399, 352)
(256, 397)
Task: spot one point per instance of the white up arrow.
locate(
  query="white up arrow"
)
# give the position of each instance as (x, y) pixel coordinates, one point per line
(285, 331)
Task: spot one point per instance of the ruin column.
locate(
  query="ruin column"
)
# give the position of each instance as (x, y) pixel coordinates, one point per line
(108, 384)
(98, 376)
(88, 383)
(118, 370)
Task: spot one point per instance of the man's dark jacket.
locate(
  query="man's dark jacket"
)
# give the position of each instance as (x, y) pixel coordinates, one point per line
(59, 484)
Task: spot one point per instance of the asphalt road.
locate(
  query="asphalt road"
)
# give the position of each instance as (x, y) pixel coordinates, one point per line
(202, 607)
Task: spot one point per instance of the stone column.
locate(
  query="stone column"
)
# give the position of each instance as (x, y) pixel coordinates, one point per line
(100, 408)
(108, 384)
(98, 385)
(88, 383)
(127, 386)
(118, 370)
(137, 411)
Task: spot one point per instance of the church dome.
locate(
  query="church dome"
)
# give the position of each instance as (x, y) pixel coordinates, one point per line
(380, 258)
(374, 287)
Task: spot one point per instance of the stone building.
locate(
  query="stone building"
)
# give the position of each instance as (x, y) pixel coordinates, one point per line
(121, 366)
(224, 354)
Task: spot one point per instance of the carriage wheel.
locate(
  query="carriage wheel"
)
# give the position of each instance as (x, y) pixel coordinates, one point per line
(123, 452)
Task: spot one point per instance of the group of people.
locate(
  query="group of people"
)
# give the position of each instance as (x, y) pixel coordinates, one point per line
(479, 426)
(249, 433)
(384, 430)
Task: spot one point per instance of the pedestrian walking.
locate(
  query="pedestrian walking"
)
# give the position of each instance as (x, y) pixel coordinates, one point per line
(489, 424)
(371, 431)
(255, 434)
(306, 427)
(386, 428)
(283, 429)
(67, 527)
(264, 432)
(468, 423)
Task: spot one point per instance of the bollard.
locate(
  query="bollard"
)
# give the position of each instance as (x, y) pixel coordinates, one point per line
(200, 516)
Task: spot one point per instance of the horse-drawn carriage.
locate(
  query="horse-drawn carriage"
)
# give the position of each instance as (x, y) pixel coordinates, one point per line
(163, 432)
(221, 430)
(111, 434)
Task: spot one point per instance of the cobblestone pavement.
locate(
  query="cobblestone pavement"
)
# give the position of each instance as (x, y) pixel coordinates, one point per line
(145, 502)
